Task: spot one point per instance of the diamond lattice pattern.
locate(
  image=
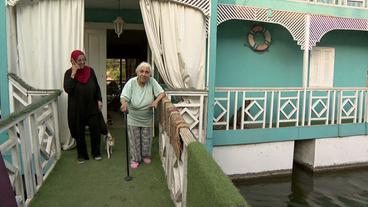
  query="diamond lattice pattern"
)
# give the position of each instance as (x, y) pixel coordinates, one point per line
(254, 106)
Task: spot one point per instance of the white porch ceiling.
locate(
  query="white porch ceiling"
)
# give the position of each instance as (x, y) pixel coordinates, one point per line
(111, 4)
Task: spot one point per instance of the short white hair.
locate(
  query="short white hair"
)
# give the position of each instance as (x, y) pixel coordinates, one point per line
(143, 65)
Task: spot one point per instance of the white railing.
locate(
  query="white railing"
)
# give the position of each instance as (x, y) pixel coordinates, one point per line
(173, 151)
(192, 106)
(32, 147)
(344, 3)
(176, 144)
(176, 168)
(240, 108)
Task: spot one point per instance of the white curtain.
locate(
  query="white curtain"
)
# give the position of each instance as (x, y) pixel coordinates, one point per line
(47, 31)
(177, 38)
(11, 29)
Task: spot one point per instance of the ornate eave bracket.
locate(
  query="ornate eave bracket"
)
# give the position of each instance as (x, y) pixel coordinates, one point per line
(294, 22)
(321, 25)
(202, 5)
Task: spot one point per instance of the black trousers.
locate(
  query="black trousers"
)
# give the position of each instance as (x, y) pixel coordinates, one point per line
(93, 124)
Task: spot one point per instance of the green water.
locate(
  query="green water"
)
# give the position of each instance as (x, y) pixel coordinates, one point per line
(303, 188)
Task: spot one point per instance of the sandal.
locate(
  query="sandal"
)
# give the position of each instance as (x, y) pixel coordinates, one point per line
(147, 160)
(134, 165)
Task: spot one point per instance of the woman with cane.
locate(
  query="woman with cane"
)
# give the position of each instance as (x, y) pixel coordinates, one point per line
(139, 96)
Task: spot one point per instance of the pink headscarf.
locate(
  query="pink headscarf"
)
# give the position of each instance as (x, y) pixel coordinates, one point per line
(83, 74)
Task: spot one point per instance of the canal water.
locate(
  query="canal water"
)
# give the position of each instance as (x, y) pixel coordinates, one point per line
(347, 188)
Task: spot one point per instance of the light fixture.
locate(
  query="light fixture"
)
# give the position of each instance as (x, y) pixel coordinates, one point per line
(119, 23)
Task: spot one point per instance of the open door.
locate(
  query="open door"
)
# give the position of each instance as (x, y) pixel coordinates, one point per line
(95, 48)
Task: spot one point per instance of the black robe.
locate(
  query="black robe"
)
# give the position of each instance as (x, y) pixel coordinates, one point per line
(82, 100)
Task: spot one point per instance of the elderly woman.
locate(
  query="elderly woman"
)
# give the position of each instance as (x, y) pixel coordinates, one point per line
(138, 97)
(84, 105)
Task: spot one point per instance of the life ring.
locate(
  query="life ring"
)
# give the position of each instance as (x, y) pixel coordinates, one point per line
(252, 38)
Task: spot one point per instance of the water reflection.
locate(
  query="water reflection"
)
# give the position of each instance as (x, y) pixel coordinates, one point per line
(303, 188)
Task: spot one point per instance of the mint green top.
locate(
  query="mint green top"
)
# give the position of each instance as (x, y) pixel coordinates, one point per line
(138, 99)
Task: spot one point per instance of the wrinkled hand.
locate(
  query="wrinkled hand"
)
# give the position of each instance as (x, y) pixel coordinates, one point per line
(100, 105)
(124, 107)
(153, 104)
(75, 67)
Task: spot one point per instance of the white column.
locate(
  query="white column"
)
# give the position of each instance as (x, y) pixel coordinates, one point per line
(306, 52)
(305, 64)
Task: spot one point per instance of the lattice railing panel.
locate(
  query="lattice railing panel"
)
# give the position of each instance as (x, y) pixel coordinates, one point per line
(319, 106)
(288, 110)
(288, 107)
(191, 105)
(33, 145)
(348, 109)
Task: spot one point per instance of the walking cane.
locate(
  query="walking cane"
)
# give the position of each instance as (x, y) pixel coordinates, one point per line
(128, 177)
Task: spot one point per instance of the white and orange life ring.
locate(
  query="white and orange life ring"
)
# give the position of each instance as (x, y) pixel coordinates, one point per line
(252, 38)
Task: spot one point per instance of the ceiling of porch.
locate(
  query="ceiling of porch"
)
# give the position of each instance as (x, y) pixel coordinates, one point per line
(111, 4)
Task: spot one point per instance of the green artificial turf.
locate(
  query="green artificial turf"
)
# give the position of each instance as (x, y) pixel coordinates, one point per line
(207, 185)
(102, 184)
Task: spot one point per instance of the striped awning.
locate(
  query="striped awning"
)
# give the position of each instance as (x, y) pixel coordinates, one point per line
(203, 5)
(320, 25)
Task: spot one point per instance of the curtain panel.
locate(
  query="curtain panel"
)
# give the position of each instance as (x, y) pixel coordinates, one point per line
(177, 37)
(43, 34)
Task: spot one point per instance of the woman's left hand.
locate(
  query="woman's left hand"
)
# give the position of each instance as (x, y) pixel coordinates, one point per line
(100, 105)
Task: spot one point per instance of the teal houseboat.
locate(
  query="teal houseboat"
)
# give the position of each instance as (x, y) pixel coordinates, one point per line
(261, 83)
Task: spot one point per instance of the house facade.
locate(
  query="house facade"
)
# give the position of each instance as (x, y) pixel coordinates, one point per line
(303, 98)
(285, 80)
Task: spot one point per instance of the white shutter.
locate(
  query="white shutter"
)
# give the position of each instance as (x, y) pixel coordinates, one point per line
(322, 67)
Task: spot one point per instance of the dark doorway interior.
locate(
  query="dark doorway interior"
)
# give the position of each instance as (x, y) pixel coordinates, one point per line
(123, 56)
(131, 44)
(129, 50)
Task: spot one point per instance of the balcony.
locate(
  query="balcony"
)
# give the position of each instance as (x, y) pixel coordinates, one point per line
(244, 108)
(342, 3)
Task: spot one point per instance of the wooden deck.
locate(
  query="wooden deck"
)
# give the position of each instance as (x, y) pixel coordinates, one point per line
(102, 184)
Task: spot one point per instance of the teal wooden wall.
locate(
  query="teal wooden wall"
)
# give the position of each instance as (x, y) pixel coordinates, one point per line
(239, 66)
(251, 136)
(282, 64)
(351, 62)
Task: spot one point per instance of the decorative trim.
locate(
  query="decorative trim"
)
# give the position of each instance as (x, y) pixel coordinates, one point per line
(321, 25)
(294, 22)
(203, 5)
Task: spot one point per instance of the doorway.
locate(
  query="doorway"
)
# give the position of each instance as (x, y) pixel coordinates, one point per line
(123, 54)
